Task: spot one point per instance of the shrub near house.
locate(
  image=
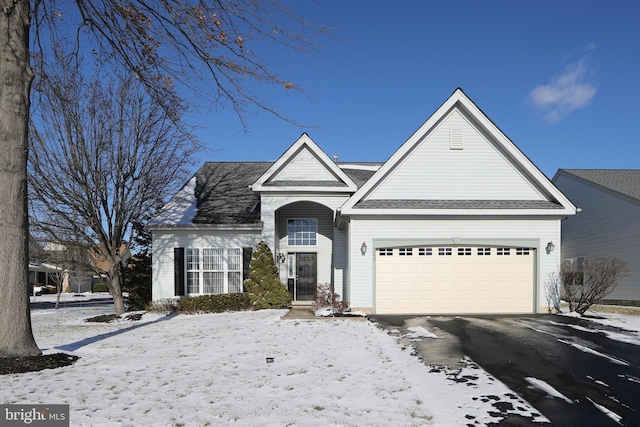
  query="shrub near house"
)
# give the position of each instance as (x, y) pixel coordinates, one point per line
(263, 286)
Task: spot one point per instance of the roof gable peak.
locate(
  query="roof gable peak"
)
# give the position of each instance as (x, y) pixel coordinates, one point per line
(470, 117)
(304, 166)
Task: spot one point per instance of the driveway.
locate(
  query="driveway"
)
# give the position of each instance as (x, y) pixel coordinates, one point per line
(575, 372)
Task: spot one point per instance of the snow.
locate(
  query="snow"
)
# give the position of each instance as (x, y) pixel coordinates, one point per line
(586, 349)
(547, 388)
(420, 332)
(181, 209)
(615, 417)
(213, 369)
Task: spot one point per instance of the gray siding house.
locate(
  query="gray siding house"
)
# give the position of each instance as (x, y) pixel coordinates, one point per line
(608, 224)
(457, 220)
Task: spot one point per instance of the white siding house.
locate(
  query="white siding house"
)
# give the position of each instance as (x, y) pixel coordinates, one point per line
(608, 224)
(458, 220)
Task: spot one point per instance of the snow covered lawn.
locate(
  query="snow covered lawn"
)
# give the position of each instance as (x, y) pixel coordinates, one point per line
(211, 369)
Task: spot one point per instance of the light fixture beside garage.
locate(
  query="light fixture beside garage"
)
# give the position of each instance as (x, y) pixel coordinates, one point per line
(363, 248)
(550, 247)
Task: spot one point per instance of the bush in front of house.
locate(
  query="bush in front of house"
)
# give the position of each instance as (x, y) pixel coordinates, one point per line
(263, 285)
(587, 281)
(100, 287)
(167, 305)
(217, 303)
(327, 302)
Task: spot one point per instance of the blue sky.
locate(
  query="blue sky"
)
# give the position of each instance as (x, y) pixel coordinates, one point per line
(560, 79)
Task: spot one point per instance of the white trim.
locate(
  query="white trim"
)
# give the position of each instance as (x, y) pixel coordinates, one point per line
(288, 236)
(304, 142)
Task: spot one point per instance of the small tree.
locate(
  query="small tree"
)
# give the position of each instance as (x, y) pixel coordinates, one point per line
(588, 281)
(553, 286)
(263, 285)
(137, 276)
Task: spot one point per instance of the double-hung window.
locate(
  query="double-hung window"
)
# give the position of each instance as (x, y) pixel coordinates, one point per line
(214, 270)
(302, 232)
(193, 271)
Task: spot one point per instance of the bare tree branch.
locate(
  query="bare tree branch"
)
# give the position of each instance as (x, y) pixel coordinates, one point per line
(588, 281)
(208, 48)
(102, 156)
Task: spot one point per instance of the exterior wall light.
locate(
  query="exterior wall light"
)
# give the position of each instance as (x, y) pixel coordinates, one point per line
(363, 248)
(550, 247)
(281, 258)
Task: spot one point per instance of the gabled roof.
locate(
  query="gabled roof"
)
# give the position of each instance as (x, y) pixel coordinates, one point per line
(360, 173)
(304, 167)
(623, 183)
(218, 193)
(548, 200)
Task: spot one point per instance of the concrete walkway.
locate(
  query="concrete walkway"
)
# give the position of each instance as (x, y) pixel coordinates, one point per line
(305, 312)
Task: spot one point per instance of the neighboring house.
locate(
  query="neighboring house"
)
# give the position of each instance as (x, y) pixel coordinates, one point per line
(79, 270)
(608, 225)
(457, 220)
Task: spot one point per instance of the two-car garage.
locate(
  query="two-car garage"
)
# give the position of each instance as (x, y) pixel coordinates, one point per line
(455, 279)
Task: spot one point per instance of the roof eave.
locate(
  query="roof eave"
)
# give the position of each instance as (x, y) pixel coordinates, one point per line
(207, 227)
(457, 212)
(334, 190)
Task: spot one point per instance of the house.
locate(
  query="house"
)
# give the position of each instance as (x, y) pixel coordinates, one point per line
(78, 267)
(457, 220)
(608, 225)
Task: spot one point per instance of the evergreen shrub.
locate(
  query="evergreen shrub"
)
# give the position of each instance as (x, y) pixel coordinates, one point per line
(217, 303)
(100, 287)
(263, 285)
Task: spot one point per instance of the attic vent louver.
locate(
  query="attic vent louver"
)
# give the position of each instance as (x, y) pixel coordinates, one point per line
(455, 139)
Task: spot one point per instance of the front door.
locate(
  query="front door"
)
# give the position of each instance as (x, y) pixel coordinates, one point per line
(303, 281)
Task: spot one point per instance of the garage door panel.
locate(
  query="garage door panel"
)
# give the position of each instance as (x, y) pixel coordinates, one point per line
(463, 282)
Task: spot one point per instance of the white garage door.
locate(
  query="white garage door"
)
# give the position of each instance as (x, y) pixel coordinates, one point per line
(454, 280)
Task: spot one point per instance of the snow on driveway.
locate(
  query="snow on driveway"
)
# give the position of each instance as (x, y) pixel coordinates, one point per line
(211, 369)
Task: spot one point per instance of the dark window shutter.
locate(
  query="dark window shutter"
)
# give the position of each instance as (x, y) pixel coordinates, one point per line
(246, 260)
(178, 271)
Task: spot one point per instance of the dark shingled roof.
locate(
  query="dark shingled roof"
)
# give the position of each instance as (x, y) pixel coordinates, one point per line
(457, 204)
(223, 190)
(224, 195)
(623, 181)
(359, 176)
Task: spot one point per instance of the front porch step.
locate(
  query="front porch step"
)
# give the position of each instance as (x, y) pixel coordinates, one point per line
(301, 303)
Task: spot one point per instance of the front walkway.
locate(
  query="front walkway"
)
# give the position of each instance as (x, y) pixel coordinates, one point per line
(305, 312)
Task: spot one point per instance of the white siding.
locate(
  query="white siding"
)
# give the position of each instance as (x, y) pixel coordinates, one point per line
(165, 241)
(478, 171)
(607, 227)
(340, 263)
(375, 232)
(305, 167)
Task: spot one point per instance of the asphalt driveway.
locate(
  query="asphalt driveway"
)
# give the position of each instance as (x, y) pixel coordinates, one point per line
(575, 372)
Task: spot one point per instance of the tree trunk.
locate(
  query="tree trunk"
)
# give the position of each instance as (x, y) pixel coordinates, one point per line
(116, 291)
(16, 336)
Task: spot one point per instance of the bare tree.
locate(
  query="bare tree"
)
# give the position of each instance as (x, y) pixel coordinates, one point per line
(102, 156)
(211, 48)
(588, 281)
(553, 286)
